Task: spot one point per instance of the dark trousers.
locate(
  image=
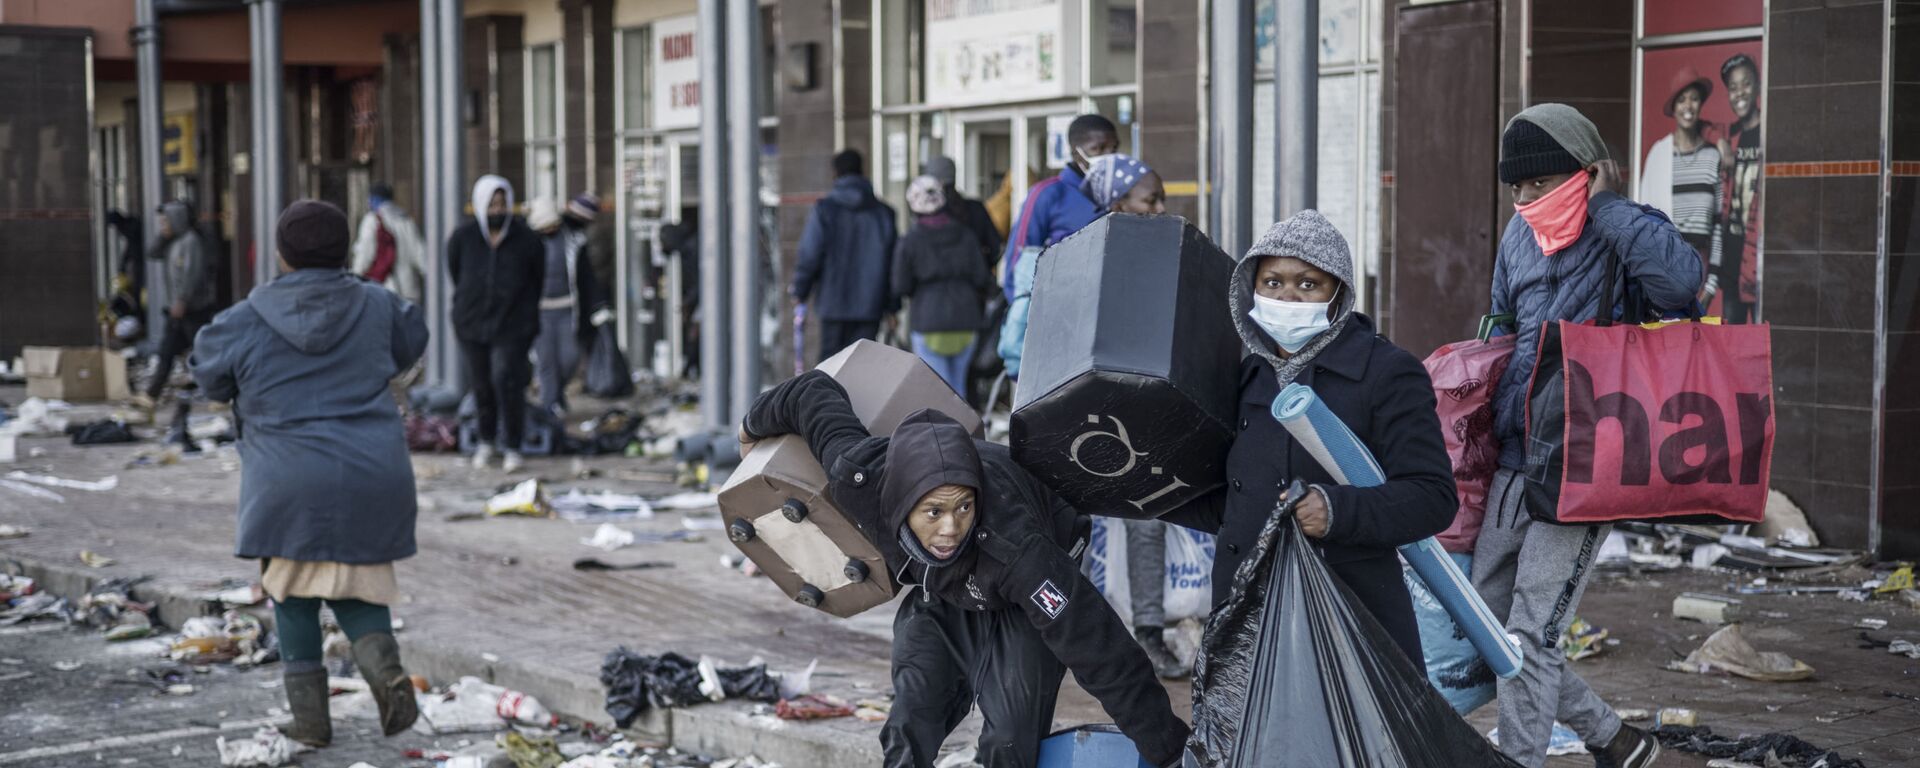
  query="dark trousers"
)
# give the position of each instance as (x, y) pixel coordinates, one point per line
(558, 353)
(176, 341)
(836, 335)
(1732, 308)
(945, 659)
(499, 373)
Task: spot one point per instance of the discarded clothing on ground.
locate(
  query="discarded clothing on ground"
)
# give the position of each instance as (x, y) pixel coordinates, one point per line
(636, 683)
(103, 432)
(1291, 673)
(1765, 749)
(432, 434)
(812, 706)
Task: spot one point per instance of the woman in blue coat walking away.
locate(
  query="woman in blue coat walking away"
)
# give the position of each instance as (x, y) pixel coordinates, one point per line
(326, 485)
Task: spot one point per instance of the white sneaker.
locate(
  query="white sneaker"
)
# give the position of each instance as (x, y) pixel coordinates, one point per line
(482, 456)
(511, 463)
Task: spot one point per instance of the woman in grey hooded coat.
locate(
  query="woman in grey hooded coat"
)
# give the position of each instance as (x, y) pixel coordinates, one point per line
(326, 485)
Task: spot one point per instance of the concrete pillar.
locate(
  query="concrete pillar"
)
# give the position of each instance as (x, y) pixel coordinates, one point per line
(1230, 83)
(146, 41)
(743, 170)
(1296, 116)
(714, 273)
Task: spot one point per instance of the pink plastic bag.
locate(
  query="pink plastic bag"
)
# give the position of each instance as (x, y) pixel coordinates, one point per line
(1465, 375)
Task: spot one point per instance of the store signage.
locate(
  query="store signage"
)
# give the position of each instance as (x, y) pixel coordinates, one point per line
(676, 72)
(176, 144)
(982, 51)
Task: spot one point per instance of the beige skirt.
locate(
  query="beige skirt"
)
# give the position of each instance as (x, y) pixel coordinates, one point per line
(283, 578)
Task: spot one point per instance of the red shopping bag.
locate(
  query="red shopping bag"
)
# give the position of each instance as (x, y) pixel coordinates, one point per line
(1465, 375)
(1665, 421)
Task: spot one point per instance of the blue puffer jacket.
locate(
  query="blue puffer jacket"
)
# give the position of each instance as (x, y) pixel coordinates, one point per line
(846, 253)
(324, 471)
(1057, 210)
(1663, 274)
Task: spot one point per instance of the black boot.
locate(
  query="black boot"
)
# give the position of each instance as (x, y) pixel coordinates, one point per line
(1165, 664)
(378, 657)
(1630, 748)
(307, 697)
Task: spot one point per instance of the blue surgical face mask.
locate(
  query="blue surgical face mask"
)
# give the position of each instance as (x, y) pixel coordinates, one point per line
(1291, 324)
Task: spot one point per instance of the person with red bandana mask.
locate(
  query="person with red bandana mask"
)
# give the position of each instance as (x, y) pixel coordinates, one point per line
(1551, 266)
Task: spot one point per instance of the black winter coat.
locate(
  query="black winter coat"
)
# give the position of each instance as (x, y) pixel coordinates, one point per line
(940, 269)
(1021, 557)
(845, 251)
(973, 215)
(1385, 396)
(496, 290)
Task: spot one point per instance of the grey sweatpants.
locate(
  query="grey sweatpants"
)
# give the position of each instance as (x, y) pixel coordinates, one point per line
(556, 354)
(1147, 571)
(1534, 573)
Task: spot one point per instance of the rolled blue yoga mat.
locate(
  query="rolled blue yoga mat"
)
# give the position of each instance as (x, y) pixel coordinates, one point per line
(1328, 440)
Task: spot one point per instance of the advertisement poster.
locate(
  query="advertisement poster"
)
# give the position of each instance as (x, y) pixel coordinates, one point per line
(1700, 150)
(996, 50)
(676, 73)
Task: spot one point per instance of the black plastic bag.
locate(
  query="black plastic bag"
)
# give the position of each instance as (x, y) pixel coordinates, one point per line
(1292, 673)
(104, 432)
(636, 683)
(607, 371)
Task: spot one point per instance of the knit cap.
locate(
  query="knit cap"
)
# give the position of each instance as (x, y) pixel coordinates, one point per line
(312, 234)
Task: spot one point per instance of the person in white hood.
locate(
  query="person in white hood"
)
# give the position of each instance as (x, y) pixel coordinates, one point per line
(497, 264)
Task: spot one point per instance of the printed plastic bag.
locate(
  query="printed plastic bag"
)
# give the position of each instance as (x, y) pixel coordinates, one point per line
(1453, 666)
(1292, 673)
(1465, 375)
(1189, 578)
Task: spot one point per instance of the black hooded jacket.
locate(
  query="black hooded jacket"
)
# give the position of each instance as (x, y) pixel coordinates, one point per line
(1020, 555)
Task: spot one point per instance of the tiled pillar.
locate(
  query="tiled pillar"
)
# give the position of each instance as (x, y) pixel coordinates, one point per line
(1900, 453)
(1170, 89)
(1821, 263)
(46, 296)
(496, 102)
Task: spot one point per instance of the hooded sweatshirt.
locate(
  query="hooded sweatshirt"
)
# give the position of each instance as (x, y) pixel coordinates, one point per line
(938, 266)
(846, 255)
(189, 273)
(496, 287)
(305, 360)
(1021, 555)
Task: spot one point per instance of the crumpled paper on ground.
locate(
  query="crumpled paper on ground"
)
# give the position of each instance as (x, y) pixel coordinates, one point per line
(1728, 651)
(267, 748)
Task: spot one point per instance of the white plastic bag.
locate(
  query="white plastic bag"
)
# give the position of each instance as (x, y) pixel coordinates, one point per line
(1189, 573)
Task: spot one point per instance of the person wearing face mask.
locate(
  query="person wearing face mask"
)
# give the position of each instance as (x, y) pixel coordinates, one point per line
(1682, 175)
(1551, 266)
(1001, 611)
(1119, 183)
(1054, 209)
(1293, 304)
(498, 267)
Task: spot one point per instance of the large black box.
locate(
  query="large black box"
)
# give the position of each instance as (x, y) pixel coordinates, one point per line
(1125, 404)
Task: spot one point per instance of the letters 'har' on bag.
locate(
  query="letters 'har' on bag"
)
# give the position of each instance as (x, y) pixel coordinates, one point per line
(1670, 421)
(775, 504)
(1128, 379)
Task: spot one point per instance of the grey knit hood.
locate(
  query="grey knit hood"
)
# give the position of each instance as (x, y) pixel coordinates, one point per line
(1307, 236)
(1572, 130)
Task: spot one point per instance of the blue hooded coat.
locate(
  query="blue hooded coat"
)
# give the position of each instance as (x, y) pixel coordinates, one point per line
(325, 474)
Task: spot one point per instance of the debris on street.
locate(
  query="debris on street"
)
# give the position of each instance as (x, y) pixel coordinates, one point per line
(107, 483)
(12, 532)
(636, 683)
(1727, 651)
(596, 564)
(266, 748)
(609, 537)
(575, 506)
(1706, 609)
(1582, 640)
(813, 706)
(233, 636)
(528, 498)
(29, 489)
(1772, 749)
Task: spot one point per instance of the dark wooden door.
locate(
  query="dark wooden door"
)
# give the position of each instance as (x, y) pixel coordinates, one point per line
(1445, 151)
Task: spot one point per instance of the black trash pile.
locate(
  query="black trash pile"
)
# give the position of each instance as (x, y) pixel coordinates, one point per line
(636, 683)
(1771, 749)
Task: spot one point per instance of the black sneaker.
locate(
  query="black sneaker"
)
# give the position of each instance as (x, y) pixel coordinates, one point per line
(1165, 663)
(1630, 748)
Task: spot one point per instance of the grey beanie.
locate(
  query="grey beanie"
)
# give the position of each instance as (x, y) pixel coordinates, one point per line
(1309, 237)
(1570, 129)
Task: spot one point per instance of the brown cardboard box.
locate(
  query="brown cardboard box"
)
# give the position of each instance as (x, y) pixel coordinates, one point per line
(775, 504)
(74, 374)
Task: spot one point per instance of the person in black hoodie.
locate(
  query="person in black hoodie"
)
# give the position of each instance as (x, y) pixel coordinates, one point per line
(937, 265)
(498, 266)
(1002, 609)
(1292, 301)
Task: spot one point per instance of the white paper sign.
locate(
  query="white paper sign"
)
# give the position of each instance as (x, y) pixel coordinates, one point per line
(1059, 150)
(896, 157)
(997, 50)
(676, 72)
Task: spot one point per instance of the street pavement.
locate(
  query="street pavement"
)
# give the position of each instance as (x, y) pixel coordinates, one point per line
(501, 594)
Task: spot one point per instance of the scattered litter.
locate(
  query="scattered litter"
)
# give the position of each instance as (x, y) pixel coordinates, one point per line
(636, 683)
(1632, 715)
(16, 586)
(1729, 652)
(812, 706)
(872, 710)
(596, 564)
(1582, 640)
(1785, 523)
(1563, 741)
(67, 666)
(681, 502)
(94, 559)
(609, 537)
(1772, 749)
(1905, 648)
(12, 532)
(267, 748)
(103, 432)
(473, 705)
(1676, 716)
(238, 593)
(532, 751)
(108, 483)
(35, 606)
(528, 498)
(16, 675)
(180, 689)
(701, 521)
(1707, 609)
(206, 639)
(132, 625)
(37, 416)
(1875, 624)
(576, 506)
(32, 490)
(1898, 581)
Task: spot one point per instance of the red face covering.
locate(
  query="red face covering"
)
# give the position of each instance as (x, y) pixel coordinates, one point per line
(1558, 218)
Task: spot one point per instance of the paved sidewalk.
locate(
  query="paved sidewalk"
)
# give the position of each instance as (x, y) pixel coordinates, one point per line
(498, 598)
